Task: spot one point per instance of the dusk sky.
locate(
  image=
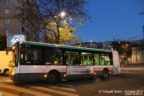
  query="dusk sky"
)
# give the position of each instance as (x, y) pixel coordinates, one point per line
(113, 19)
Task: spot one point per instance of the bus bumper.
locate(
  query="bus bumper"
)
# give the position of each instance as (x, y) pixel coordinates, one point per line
(28, 77)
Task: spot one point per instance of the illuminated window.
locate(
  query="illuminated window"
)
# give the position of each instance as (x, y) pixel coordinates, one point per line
(72, 58)
(7, 1)
(96, 58)
(6, 21)
(7, 11)
(6, 30)
(105, 59)
(86, 58)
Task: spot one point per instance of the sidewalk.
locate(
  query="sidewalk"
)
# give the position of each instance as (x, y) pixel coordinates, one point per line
(132, 69)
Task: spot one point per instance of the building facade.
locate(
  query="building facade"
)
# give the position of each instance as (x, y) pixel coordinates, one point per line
(137, 55)
(8, 22)
(11, 24)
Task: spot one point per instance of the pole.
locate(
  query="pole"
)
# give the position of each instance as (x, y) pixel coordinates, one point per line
(143, 32)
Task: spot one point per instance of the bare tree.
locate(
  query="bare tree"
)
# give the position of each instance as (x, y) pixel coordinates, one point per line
(51, 10)
(41, 13)
(30, 17)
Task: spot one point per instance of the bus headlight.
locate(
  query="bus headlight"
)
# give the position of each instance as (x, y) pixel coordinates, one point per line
(45, 75)
(12, 72)
(65, 75)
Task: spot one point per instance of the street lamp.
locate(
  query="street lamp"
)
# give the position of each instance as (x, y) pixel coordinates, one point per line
(62, 14)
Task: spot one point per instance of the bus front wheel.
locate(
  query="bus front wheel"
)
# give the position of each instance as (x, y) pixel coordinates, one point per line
(53, 77)
(105, 74)
(6, 72)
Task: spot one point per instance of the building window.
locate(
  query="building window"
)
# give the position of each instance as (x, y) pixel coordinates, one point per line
(6, 21)
(6, 30)
(7, 11)
(7, 1)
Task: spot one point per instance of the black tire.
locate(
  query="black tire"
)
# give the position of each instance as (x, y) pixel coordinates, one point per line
(6, 72)
(91, 78)
(53, 77)
(105, 74)
(17, 83)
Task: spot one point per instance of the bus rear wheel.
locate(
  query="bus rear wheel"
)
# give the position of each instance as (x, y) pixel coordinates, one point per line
(105, 74)
(53, 77)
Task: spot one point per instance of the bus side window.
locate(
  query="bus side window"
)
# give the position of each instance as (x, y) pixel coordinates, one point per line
(71, 58)
(105, 59)
(96, 59)
(31, 56)
(86, 58)
(53, 57)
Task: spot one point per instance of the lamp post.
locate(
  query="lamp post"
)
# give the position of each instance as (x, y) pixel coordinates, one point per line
(62, 14)
(91, 41)
(60, 17)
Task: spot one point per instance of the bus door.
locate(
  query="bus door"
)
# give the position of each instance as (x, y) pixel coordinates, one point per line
(79, 63)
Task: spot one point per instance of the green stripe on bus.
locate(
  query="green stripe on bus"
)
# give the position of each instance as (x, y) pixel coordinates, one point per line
(64, 47)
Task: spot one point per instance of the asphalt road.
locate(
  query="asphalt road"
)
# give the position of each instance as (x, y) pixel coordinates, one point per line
(126, 84)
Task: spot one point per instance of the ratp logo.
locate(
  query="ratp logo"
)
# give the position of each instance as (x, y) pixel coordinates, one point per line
(12, 39)
(17, 38)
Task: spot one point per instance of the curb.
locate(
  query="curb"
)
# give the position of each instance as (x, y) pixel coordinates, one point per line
(132, 69)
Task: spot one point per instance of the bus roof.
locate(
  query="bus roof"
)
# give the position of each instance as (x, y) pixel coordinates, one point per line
(62, 46)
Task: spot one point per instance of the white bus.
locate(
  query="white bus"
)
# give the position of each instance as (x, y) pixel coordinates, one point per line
(35, 61)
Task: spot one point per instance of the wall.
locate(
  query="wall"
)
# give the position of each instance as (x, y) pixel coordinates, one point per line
(14, 25)
(137, 55)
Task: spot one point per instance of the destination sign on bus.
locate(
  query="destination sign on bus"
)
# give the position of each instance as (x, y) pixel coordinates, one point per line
(72, 70)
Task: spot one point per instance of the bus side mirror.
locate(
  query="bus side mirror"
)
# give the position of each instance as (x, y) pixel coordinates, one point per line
(10, 64)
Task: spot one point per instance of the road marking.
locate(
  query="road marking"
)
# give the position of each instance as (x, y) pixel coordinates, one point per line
(9, 80)
(21, 90)
(4, 93)
(12, 91)
(40, 90)
(54, 91)
(61, 87)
